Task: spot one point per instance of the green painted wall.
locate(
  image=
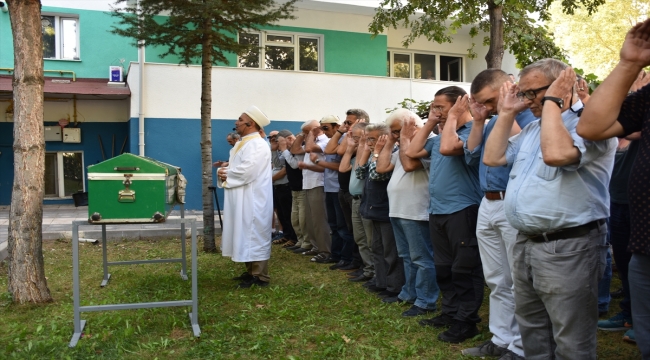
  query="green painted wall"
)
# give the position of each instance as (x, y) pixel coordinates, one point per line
(345, 52)
(349, 52)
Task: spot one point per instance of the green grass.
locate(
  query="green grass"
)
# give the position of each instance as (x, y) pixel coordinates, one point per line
(308, 312)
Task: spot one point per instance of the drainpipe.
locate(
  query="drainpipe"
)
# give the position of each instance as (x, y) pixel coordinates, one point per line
(141, 97)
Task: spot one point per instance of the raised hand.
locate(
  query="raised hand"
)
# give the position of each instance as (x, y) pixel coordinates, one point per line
(636, 47)
(563, 85)
(583, 90)
(408, 129)
(641, 80)
(381, 142)
(460, 107)
(479, 111)
(282, 143)
(508, 100)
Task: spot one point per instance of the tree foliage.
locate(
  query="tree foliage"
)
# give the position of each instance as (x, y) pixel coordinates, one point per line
(202, 31)
(594, 42)
(178, 25)
(517, 30)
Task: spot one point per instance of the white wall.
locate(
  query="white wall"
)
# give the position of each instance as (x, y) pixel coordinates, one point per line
(173, 91)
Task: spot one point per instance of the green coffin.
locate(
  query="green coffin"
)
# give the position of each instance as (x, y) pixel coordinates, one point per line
(133, 189)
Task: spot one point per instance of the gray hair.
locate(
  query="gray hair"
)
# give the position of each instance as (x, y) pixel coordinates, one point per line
(360, 114)
(309, 122)
(382, 128)
(550, 68)
(402, 114)
(233, 135)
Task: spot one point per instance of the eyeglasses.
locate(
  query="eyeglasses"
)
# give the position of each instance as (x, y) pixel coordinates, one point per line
(371, 140)
(356, 138)
(437, 108)
(347, 123)
(531, 94)
(396, 132)
(324, 128)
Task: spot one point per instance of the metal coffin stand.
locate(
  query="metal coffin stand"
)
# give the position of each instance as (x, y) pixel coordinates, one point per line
(79, 324)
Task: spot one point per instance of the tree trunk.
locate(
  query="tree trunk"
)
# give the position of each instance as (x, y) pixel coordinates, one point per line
(494, 56)
(206, 140)
(27, 281)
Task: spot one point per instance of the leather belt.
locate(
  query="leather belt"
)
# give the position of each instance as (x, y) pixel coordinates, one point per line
(356, 197)
(495, 195)
(567, 233)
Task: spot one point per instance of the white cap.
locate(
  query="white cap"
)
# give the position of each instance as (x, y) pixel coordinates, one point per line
(257, 115)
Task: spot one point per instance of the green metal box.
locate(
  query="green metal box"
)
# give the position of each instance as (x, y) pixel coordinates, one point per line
(133, 189)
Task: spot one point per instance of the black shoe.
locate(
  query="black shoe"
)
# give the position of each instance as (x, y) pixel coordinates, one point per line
(360, 278)
(254, 281)
(440, 321)
(245, 276)
(617, 294)
(392, 300)
(374, 289)
(292, 248)
(386, 293)
(338, 264)
(300, 250)
(459, 332)
(416, 311)
(369, 283)
(350, 266)
(355, 273)
(322, 258)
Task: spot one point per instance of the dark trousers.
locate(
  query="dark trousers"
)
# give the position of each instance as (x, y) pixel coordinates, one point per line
(619, 231)
(389, 267)
(282, 202)
(342, 240)
(458, 263)
(345, 199)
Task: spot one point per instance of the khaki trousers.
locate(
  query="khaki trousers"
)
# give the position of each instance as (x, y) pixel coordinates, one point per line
(259, 269)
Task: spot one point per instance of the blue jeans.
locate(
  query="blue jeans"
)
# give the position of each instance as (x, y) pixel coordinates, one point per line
(604, 296)
(639, 278)
(342, 240)
(414, 247)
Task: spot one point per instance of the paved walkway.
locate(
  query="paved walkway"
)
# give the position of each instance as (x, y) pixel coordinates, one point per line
(57, 220)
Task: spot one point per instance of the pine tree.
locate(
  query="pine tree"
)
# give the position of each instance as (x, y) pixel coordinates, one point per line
(202, 31)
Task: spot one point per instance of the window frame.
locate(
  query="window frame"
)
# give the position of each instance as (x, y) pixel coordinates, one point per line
(60, 175)
(58, 33)
(412, 53)
(296, 36)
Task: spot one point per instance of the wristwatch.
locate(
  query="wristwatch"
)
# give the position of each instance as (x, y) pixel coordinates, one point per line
(556, 100)
(375, 155)
(317, 161)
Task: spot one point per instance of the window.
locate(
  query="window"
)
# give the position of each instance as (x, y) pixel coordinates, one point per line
(424, 66)
(64, 174)
(60, 37)
(282, 51)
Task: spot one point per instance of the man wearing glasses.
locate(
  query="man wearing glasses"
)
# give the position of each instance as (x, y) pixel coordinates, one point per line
(557, 198)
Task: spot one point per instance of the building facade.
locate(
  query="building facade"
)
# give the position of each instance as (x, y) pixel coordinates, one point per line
(323, 62)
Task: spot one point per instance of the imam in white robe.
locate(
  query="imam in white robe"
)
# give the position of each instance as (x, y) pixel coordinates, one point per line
(248, 204)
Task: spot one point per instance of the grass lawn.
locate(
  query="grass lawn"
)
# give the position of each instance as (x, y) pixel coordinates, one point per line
(308, 312)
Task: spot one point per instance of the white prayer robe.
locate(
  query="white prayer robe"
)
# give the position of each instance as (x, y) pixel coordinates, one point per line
(248, 205)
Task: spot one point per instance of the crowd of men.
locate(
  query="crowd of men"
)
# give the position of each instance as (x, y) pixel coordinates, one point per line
(508, 186)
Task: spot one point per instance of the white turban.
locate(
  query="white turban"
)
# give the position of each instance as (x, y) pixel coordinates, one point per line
(258, 116)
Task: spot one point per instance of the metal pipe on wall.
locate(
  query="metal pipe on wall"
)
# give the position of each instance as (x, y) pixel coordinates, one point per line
(141, 61)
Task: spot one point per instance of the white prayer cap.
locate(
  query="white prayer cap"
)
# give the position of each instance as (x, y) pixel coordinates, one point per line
(330, 119)
(257, 115)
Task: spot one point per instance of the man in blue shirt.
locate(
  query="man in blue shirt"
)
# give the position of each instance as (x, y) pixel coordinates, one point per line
(455, 194)
(496, 237)
(557, 199)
